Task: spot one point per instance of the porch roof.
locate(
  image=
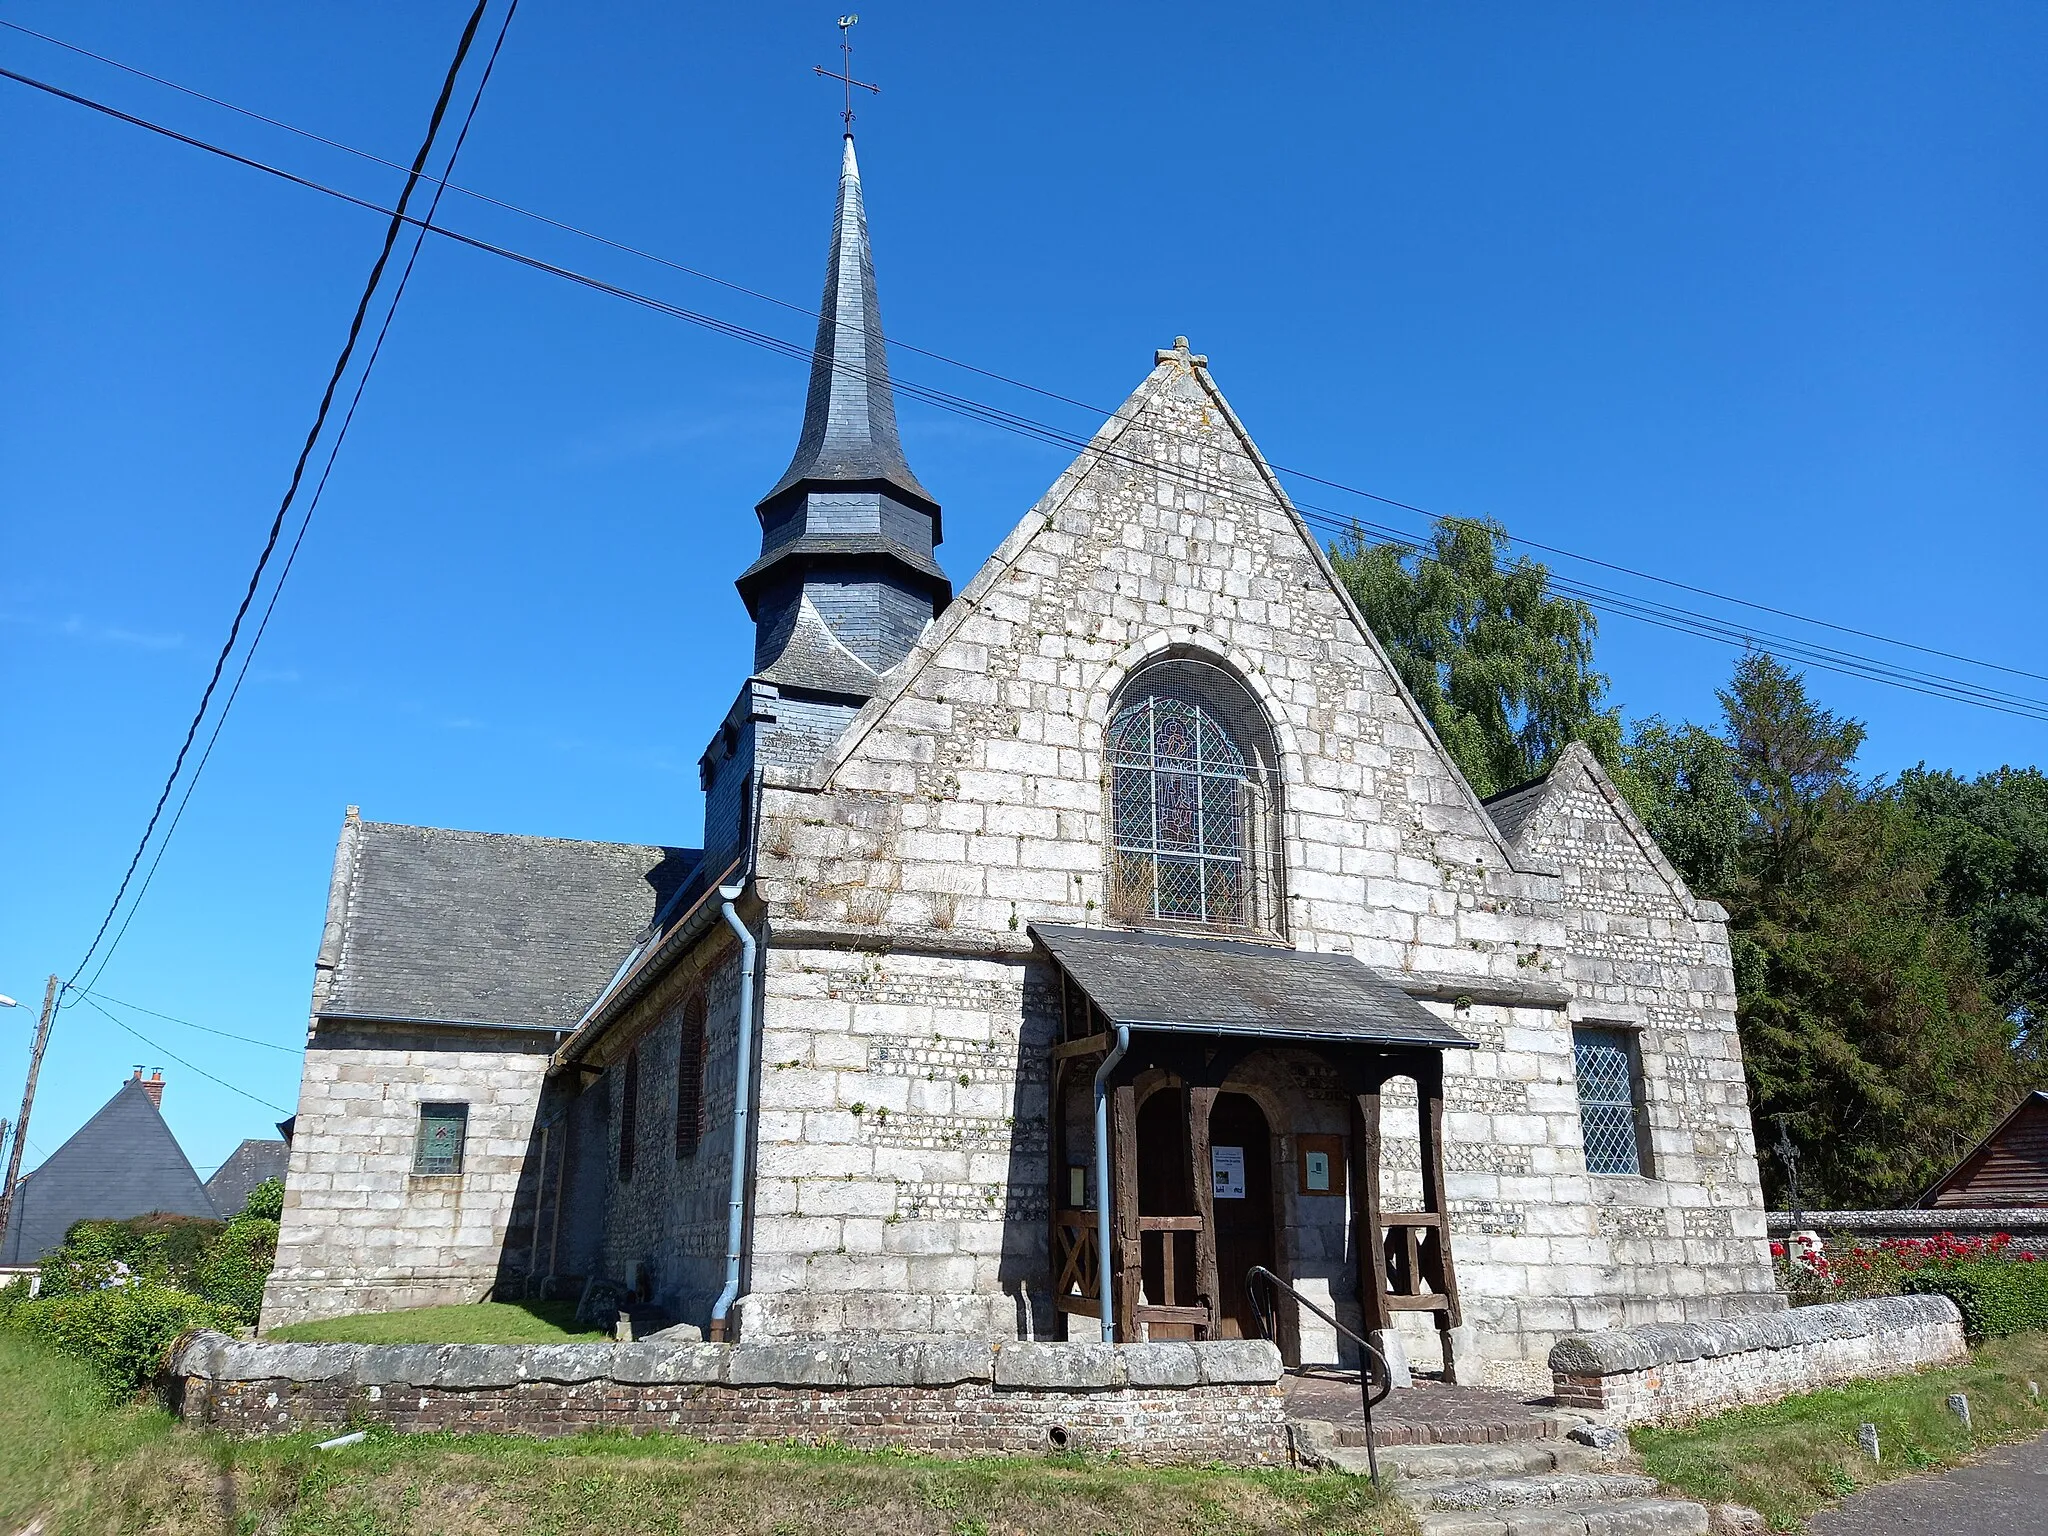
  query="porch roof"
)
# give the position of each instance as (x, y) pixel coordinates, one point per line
(1158, 981)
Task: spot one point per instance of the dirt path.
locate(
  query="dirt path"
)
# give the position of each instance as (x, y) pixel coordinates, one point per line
(2004, 1493)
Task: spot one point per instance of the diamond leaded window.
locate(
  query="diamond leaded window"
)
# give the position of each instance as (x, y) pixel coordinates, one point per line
(1181, 803)
(437, 1148)
(1610, 1100)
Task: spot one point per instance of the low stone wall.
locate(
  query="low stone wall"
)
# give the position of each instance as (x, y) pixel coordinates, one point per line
(2027, 1226)
(1645, 1375)
(1211, 1401)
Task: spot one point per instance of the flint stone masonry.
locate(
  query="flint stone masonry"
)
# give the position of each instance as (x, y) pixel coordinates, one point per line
(1151, 1402)
(2027, 1226)
(1646, 1375)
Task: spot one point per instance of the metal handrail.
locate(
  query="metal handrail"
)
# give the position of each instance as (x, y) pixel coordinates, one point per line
(1375, 1370)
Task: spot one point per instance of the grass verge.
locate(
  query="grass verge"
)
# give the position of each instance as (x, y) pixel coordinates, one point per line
(111, 1471)
(1792, 1457)
(484, 1322)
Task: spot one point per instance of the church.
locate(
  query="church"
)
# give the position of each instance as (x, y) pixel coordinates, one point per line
(1070, 956)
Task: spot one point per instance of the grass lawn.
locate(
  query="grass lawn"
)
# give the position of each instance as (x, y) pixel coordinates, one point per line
(1792, 1457)
(485, 1322)
(88, 1468)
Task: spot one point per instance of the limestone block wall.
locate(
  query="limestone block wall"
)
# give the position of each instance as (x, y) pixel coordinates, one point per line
(1686, 1241)
(671, 1218)
(361, 1232)
(900, 1176)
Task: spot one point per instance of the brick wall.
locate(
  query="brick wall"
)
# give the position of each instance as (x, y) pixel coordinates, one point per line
(1154, 1403)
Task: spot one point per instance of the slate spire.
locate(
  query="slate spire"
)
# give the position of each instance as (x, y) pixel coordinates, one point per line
(847, 576)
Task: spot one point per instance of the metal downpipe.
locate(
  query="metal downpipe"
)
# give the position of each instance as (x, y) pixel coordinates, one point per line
(742, 1094)
(1102, 1221)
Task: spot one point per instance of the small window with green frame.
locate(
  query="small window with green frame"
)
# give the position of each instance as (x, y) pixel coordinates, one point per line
(438, 1148)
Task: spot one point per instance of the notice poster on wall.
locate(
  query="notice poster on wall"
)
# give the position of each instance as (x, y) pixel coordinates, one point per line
(1226, 1167)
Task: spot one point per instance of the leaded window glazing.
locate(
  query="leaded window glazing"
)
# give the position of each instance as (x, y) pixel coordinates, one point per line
(438, 1146)
(1609, 1105)
(1182, 806)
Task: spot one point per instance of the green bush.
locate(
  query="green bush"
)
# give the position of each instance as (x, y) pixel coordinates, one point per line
(123, 1333)
(237, 1265)
(1995, 1299)
(266, 1200)
(161, 1247)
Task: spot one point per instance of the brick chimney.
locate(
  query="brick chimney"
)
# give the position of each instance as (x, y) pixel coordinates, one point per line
(154, 1086)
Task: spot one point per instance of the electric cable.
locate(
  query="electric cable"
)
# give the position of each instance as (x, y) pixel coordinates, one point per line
(398, 221)
(170, 1055)
(312, 504)
(168, 1018)
(1701, 626)
(1017, 383)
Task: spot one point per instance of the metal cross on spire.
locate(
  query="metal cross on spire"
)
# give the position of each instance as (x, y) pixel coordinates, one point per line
(844, 74)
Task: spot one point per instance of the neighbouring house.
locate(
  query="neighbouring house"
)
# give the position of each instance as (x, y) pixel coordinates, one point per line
(2006, 1170)
(1055, 953)
(254, 1162)
(122, 1162)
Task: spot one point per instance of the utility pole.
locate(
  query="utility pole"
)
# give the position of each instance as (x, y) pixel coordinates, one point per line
(28, 1102)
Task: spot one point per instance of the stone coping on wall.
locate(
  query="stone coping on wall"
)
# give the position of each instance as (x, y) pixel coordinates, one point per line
(815, 1363)
(2018, 1220)
(1638, 1375)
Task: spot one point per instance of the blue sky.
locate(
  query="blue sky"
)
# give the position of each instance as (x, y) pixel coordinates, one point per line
(1743, 294)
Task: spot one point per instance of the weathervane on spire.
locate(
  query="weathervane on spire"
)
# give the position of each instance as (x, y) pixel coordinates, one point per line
(844, 74)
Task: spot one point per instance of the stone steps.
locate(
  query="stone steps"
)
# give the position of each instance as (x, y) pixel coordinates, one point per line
(1622, 1517)
(1421, 1463)
(1540, 1487)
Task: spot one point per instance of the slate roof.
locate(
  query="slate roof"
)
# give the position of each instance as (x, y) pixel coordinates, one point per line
(122, 1162)
(487, 928)
(247, 1166)
(1512, 809)
(849, 433)
(1168, 982)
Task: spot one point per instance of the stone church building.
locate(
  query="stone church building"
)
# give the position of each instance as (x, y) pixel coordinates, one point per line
(1058, 952)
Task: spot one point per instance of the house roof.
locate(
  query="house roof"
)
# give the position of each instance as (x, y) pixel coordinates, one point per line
(483, 928)
(122, 1162)
(1158, 981)
(248, 1165)
(2020, 1176)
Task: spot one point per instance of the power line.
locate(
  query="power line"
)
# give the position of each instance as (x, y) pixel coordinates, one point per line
(1048, 394)
(102, 997)
(391, 233)
(88, 999)
(1703, 626)
(313, 503)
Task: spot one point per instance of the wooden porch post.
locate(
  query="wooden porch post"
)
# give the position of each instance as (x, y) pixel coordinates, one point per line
(1202, 1184)
(1429, 1083)
(1366, 1207)
(1128, 1270)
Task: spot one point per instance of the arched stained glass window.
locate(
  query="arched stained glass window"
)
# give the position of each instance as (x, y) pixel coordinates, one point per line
(1188, 840)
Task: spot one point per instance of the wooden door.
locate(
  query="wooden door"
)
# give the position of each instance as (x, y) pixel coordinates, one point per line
(1241, 1161)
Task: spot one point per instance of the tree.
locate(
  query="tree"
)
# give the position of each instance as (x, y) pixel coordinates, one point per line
(1869, 1015)
(1992, 833)
(1502, 667)
(1681, 781)
(1864, 1003)
(1789, 756)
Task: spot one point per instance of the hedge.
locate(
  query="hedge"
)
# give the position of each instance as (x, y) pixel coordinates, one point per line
(123, 1333)
(1995, 1299)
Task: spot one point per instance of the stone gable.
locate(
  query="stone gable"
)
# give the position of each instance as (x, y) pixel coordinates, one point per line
(969, 798)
